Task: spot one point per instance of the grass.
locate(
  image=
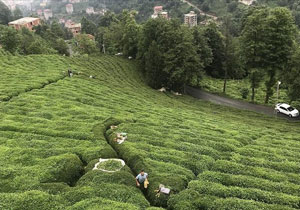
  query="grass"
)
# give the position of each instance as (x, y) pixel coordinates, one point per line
(212, 157)
(234, 88)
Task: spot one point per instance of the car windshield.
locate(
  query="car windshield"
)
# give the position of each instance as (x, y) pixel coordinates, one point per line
(290, 108)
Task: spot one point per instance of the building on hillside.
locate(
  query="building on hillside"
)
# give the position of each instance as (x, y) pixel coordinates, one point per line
(27, 22)
(90, 10)
(39, 12)
(75, 28)
(43, 4)
(69, 8)
(157, 9)
(246, 2)
(61, 21)
(48, 14)
(163, 15)
(158, 12)
(74, 1)
(190, 19)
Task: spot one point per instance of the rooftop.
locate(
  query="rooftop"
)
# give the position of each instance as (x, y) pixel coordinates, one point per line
(192, 13)
(23, 21)
(74, 25)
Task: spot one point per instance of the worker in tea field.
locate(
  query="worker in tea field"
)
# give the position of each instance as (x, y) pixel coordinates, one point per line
(70, 73)
(142, 180)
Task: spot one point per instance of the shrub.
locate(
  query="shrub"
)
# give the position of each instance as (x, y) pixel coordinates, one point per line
(244, 93)
(239, 204)
(210, 188)
(31, 200)
(64, 168)
(103, 204)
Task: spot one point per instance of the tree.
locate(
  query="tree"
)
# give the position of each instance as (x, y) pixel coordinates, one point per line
(61, 46)
(253, 46)
(131, 32)
(85, 44)
(216, 43)
(9, 38)
(57, 30)
(231, 64)
(182, 62)
(168, 54)
(291, 76)
(154, 65)
(17, 14)
(280, 35)
(152, 48)
(5, 14)
(268, 38)
(203, 50)
(88, 27)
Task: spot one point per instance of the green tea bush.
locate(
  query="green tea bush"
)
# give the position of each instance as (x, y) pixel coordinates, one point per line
(31, 200)
(241, 204)
(114, 192)
(272, 175)
(219, 190)
(250, 182)
(64, 168)
(103, 204)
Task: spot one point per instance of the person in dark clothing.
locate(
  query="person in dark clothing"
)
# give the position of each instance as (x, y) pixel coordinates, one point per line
(70, 73)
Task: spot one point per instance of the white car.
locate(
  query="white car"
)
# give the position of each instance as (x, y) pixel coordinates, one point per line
(287, 110)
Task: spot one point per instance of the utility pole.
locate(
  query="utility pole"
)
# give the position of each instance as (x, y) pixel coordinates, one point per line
(278, 84)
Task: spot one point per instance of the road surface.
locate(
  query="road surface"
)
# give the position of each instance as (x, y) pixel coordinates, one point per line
(224, 101)
(199, 10)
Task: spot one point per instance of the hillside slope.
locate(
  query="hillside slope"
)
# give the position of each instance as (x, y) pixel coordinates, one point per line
(55, 128)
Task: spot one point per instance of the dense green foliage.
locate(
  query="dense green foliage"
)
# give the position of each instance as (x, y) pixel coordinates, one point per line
(55, 128)
(5, 14)
(267, 41)
(25, 42)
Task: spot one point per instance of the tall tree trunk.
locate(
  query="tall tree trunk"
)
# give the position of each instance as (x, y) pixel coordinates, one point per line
(225, 81)
(267, 98)
(253, 94)
(269, 85)
(224, 87)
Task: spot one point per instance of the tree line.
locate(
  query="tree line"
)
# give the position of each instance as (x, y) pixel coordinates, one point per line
(45, 39)
(173, 55)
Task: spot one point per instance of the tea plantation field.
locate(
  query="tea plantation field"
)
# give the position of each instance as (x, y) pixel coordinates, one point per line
(54, 129)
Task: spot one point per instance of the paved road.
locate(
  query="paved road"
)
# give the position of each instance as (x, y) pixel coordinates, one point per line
(200, 11)
(197, 93)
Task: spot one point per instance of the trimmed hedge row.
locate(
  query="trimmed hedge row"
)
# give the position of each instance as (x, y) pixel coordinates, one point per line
(31, 200)
(284, 166)
(240, 204)
(250, 182)
(265, 173)
(103, 204)
(219, 190)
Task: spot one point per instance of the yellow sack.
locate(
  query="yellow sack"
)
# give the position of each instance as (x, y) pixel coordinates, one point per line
(146, 184)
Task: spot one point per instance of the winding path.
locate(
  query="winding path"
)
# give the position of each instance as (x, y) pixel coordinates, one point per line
(224, 101)
(199, 10)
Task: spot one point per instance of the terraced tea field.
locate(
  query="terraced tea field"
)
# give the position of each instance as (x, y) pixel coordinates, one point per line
(54, 129)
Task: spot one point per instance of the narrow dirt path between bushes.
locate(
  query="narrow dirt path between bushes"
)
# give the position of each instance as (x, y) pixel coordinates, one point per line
(108, 127)
(224, 101)
(31, 89)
